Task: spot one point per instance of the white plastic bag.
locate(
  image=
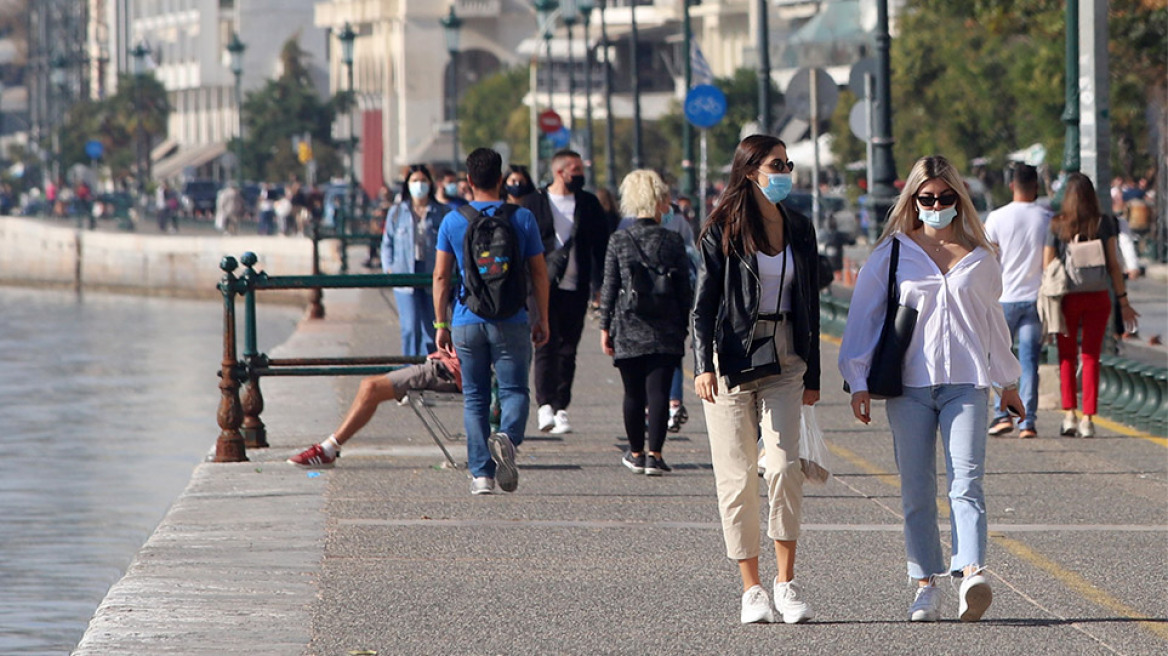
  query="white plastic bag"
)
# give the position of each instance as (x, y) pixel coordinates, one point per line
(812, 448)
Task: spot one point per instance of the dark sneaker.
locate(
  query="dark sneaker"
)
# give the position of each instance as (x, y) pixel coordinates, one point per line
(655, 466)
(1002, 427)
(677, 416)
(503, 453)
(314, 457)
(635, 463)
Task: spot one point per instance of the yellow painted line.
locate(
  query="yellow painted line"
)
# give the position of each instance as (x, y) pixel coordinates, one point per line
(1117, 427)
(830, 339)
(1080, 585)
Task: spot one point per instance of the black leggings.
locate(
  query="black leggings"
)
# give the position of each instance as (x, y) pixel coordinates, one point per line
(647, 380)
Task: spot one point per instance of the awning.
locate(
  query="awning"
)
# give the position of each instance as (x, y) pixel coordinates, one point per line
(193, 157)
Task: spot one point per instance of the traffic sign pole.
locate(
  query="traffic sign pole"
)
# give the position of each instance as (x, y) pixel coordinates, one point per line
(815, 218)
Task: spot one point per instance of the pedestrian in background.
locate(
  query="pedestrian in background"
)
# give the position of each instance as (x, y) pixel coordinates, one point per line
(674, 221)
(484, 345)
(518, 184)
(1019, 231)
(266, 208)
(575, 235)
(756, 360)
(446, 189)
(228, 208)
(1080, 219)
(408, 245)
(960, 347)
(645, 338)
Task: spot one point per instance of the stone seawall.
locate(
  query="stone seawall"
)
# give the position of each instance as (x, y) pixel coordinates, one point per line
(33, 253)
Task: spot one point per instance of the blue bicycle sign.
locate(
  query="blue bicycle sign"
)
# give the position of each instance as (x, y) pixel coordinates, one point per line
(705, 106)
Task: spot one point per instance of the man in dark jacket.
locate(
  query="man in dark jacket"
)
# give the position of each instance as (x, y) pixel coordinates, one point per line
(575, 236)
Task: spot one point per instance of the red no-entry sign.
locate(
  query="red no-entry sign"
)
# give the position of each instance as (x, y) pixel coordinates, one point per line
(549, 121)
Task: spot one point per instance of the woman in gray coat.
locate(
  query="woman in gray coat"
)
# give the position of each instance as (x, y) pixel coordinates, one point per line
(644, 312)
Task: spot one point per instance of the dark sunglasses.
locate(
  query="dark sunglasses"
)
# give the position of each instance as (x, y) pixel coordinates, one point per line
(785, 167)
(944, 200)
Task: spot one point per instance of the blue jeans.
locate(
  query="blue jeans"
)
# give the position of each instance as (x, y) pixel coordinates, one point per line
(1026, 328)
(505, 347)
(675, 393)
(960, 412)
(415, 313)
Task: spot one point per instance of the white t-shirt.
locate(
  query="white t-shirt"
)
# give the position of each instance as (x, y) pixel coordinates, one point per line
(770, 268)
(1019, 229)
(564, 217)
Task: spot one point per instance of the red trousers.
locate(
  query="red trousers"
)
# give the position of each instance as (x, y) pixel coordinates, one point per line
(1089, 311)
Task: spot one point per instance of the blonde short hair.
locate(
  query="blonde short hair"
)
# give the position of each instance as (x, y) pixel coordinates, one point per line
(641, 192)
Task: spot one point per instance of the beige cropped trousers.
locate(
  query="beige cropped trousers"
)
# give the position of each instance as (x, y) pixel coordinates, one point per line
(733, 420)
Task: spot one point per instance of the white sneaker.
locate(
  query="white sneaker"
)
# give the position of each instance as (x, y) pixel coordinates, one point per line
(1086, 427)
(975, 595)
(1067, 429)
(482, 485)
(561, 423)
(926, 607)
(547, 418)
(756, 606)
(793, 609)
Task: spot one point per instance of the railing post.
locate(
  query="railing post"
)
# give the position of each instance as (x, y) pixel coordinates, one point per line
(230, 446)
(342, 232)
(255, 435)
(316, 305)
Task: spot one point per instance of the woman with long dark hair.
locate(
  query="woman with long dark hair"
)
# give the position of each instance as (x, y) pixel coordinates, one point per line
(756, 351)
(408, 245)
(946, 270)
(1081, 220)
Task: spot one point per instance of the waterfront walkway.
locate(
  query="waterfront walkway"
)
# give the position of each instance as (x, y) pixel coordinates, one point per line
(389, 553)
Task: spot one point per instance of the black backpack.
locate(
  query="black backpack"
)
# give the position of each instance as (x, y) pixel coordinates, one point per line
(652, 292)
(494, 284)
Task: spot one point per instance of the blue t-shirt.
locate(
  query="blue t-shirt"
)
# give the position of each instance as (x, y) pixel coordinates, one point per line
(451, 235)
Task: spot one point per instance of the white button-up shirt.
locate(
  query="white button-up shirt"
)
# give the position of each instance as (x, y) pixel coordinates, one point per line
(961, 336)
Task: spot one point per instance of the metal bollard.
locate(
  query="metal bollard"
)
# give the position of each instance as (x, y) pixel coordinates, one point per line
(229, 447)
(1109, 381)
(255, 434)
(316, 306)
(1146, 414)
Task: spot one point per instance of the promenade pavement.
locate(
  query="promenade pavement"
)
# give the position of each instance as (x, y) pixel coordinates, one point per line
(388, 553)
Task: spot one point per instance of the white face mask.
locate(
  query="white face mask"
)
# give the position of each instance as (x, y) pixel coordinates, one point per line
(419, 189)
(937, 218)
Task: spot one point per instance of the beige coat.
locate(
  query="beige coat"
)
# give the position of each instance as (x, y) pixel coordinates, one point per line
(1050, 298)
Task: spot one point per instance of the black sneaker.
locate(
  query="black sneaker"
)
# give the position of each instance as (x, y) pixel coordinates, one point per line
(635, 463)
(655, 466)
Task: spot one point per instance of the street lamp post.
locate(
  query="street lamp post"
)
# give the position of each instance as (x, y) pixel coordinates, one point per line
(609, 164)
(347, 36)
(764, 69)
(634, 46)
(883, 191)
(687, 155)
(451, 24)
(57, 72)
(139, 53)
(235, 49)
(544, 10)
(569, 15)
(586, 7)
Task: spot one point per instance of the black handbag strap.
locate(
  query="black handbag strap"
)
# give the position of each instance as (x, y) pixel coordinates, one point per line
(893, 296)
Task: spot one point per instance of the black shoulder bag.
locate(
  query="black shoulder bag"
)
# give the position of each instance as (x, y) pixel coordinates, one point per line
(886, 373)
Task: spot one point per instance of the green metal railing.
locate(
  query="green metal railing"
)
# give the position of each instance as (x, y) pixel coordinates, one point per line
(239, 414)
(1130, 392)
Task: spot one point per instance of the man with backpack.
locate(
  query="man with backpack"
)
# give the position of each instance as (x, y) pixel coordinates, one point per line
(499, 254)
(575, 237)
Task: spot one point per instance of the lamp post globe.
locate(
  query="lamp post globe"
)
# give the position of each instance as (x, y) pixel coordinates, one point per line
(544, 11)
(452, 25)
(139, 52)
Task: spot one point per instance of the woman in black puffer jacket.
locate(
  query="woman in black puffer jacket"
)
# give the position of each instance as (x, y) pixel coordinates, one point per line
(644, 311)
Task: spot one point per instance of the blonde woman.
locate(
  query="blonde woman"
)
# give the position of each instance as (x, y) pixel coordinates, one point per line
(960, 348)
(646, 340)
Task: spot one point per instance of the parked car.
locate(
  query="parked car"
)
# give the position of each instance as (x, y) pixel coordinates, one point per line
(198, 198)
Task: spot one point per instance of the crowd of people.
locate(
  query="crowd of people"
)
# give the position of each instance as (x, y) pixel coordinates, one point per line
(516, 267)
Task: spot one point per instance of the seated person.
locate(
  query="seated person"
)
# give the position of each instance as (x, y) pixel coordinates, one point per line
(441, 372)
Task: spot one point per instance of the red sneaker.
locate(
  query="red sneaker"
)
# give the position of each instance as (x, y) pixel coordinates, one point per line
(313, 457)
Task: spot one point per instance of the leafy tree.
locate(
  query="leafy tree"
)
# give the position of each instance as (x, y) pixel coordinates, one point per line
(285, 107)
(986, 77)
(493, 110)
(140, 102)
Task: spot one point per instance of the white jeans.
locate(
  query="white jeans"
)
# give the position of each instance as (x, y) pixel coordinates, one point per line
(733, 421)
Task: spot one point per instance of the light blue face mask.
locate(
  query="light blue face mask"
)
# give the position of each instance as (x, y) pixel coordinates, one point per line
(451, 189)
(778, 186)
(419, 189)
(667, 216)
(937, 218)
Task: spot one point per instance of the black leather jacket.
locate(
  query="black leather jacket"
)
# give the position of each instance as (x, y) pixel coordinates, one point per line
(726, 303)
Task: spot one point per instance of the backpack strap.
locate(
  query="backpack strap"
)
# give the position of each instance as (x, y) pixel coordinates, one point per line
(469, 212)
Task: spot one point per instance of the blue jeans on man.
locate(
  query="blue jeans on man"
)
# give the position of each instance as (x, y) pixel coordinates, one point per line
(1026, 329)
(505, 348)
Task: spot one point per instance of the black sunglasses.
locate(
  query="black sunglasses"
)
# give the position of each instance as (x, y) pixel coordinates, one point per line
(944, 200)
(783, 167)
